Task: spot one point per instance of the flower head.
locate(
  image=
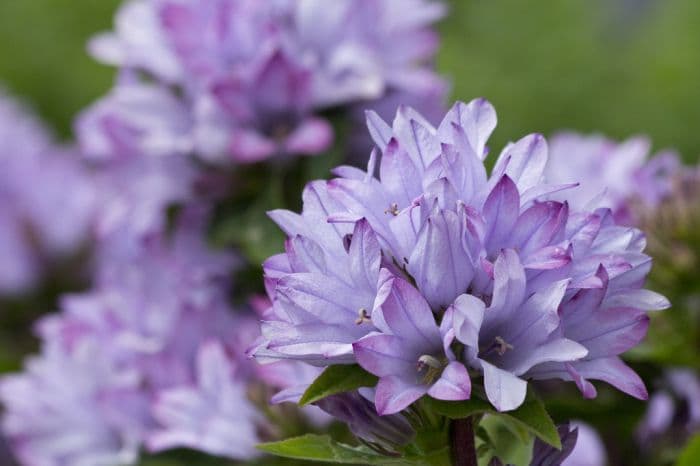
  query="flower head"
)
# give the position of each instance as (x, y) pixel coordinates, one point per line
(611, 175)
(155, 334)
(434, 268)
(246, 80)
(96, 410)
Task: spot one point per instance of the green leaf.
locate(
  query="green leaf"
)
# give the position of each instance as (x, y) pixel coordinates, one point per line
(507, 440)
(337, 379)
(322, 448)
(531, 415)
(534, 417)
(691, 453)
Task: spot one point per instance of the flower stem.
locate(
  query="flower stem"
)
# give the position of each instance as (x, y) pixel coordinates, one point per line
(462, 447)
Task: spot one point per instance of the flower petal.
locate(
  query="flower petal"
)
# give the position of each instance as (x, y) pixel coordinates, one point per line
(394, 394)
(453, 384)
(501, 211)
(468, 316)
(408, 315)
(613, 371)
(526, 161)
(384, 355)
(478, 120)
(504, 390)
(439, 263)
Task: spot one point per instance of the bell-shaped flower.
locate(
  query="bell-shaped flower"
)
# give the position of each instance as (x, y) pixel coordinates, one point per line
(513, 334)
(411, 355)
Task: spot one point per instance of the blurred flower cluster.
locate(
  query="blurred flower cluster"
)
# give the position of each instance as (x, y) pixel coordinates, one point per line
(42, 224)
(426, 310)
(243, 80)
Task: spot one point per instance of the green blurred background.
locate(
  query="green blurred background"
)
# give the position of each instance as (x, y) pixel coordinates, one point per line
(616, 66)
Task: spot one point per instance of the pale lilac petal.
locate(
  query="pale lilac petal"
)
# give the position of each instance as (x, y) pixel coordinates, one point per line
(467, 318)
(303, 255)
(394, 394)
(526, 160)
(439, 263)
(548, 258)
(641, 299)
(407, 314)
(365, 257)
(501, 211)
(378, 129)
(504, 390)
(613, 371)
(537, 317)
(384, 355)
(417, 138)
(367, 198)
(453, 384)
(557, 350)
(509, 284)
(540, 226)
(315, 294)
(478, 120)
(399, 174)
(467, 176)
(612, 331)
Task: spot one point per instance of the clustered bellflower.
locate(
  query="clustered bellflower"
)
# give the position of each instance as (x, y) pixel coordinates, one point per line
(430, 273)
(619, 176)
(151, 356)
(38, 227)
(246, 80)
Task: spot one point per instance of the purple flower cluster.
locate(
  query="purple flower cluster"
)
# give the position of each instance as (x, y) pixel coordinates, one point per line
(38, 226)
(431, 274)
(609, 174)
(245, 80)
(151, 356)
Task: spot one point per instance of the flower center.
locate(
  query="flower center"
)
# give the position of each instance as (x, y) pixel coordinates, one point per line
(362, 316)
(430, 368)
(499, 346)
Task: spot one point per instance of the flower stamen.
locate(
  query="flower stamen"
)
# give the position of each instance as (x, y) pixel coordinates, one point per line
(363, 316)
(503, 346)
(499, 345)
(430, 368)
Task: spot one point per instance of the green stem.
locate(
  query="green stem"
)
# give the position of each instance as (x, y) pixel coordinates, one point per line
(462, 445)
